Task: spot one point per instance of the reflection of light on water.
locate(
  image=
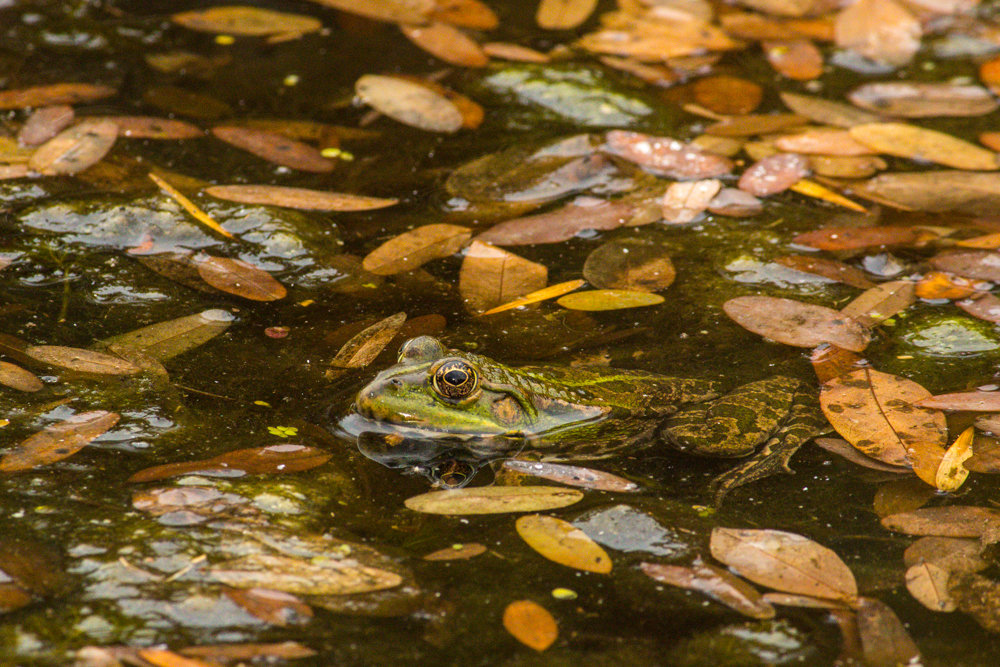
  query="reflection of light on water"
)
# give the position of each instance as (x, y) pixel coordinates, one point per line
(951, 338)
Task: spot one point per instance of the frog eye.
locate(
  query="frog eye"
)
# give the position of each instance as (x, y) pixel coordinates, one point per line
(455, 379)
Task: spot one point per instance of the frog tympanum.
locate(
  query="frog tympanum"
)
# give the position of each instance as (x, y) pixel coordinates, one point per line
(452, 408)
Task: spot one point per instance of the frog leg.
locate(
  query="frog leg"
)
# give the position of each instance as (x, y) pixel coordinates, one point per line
(805, 421)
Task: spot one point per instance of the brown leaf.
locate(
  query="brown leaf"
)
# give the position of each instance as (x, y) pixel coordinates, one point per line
(686, 201)
(164, 658)
(715, 583)
(234, 276)
(881, 30)
(736, 203)
(514, 52)
(494, 500)
(45, 123)
(928, 584)
(950, 521)
(58, 441)
(457, 552)
(942, 285)
(561, 224)
(845, 450)
(15, 377)
(248, 21)
(166, 340)
(830, 361)
(271, 607)
(918, 143)
(951, 554)
(856, 238)
(57, 93)
(630, 265)
(313, 200)
(923, 100)
(466, 13)
(409, 103)
(727, 95)
(254, 461)
(150, 127)
(784, 561)
(81, 361)
(491, 276)
(392, 11)
(74, 149)
(275, 148)
(609, 299)
(415, 248)
(796, 323)
(665, 156)
(751, 124)
(584, 478)
(884, 640)
(563, 543)
(365, 346)
(827, 268)
(822, 142)
(774, 174)
(303, 576)
(877, 413)
(563, 14)
(447, 43)
(881, 302)
(797, 59)
(531, 624)
(974, 401)
(970, 193)
(976, 264)
(246, 652)
(826, 112)
(902, 495)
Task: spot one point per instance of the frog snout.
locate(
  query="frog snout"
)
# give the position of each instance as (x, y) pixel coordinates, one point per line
(375, 390)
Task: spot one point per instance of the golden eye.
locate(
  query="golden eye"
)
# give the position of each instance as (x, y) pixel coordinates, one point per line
(454, 379)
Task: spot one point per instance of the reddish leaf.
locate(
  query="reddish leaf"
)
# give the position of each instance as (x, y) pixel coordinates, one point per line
(774, 174)
(57, 93)
(856, 238)
(234, 276)
(254, 461)
(585, 478)
(457, 552)
(665, 156)
(950, 521)
(560, 225)
(797, 323)
(714, 582)
(275, 148)
(44, 124)
(827, 268)
(58, 441)
(76, 148)
(727, 95)
(976, 401)
(272, 607)
(447, 43)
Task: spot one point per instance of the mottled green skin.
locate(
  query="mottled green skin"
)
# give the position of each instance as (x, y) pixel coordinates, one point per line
(579, 412)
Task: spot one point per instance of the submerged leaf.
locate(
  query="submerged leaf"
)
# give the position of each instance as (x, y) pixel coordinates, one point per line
(239, 462)
(629, 265)
(797, 323)
(81, 361)
(585, 478)
(234, 276)
(714, 582)
(609, 299)
(531, 624)
(238, 20)
(166, 340)
(75, 149)
(366, 345)
(58, 441)
(315, 576)
(302, 198)
(491, 276)
(409, 103)
(415, 248)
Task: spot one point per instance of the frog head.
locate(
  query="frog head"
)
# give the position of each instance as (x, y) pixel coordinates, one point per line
(437, 389)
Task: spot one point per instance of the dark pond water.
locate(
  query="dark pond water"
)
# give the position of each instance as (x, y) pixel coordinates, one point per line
(107, 573)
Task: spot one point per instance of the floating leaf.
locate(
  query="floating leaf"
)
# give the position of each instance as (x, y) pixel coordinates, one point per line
(315, 576)
(457, 552)
(81, 361)
(941, 285)
(246, 652)
(629, 265)
(491, 276)
(366, 345)
(15, 377)
(856, 238)
(784, 561)
(275, 148)
(665, 156)
(563, 14)
(563, 543)
(494, 500)
(415, 248)
(884, 640)
(189, 206)
(251, 21)
(973, 401)
(830, 361)
(923, 100)
(950, 521)
(609, 299)
(878, 413)
(150, 127)
(796, 59)
(686, 201)
(58, 441)
(57, 93)
(826, 112)
(881, 302)
(827, 268)
(239, 462)
(921, 144)
(45, 123)
(751, 124)
(562, 224)
(234, 276)
(73, 150)
(951, 554)
(902, 495)
(466, 13)
(531, 624)
(585, 478)
(844, 449)
(447, 43)
(881, 30)
(514, 52)
(928, 584)
(392, 11)
(550, 292)
(774, 174)
(797, 323)
(971, 193)
(951, 474)
(714, 582)
(302, 198)
(822, 142)
(976, 264)
(816, 191)
(409, 103)
(166, 340)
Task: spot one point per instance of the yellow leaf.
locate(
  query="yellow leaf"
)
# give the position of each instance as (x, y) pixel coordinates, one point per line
(951, 473)
(550, 292)
(189, 206)
(563, 543)
(817, 191)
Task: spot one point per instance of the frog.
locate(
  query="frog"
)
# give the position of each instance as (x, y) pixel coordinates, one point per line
(563, 413)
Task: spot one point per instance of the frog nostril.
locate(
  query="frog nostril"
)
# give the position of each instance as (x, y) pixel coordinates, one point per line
(395, 383)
